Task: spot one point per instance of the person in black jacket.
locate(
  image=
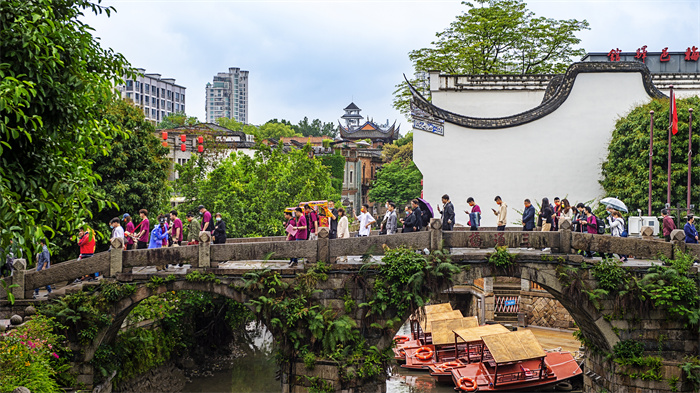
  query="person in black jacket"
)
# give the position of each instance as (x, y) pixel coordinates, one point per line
(528, 217)
(418, 213)
(448, 213)
(410, 224)
(546, 213)
(219, 233)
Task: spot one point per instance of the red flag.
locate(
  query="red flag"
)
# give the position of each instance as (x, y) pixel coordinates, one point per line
(674, 114)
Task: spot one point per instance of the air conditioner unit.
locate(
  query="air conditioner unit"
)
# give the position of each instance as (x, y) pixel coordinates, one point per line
(635, 224)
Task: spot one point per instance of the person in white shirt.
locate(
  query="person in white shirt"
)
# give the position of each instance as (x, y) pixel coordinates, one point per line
(365, 219)
(343, 229)
(117, 229)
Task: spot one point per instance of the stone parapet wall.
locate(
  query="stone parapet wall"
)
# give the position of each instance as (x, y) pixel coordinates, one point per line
(604, 375)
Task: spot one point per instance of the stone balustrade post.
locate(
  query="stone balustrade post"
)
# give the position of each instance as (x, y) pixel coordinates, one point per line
(20, 266)
(115, 256)
(323, 249)
(565, 237)
(204, 249)
(435, 229)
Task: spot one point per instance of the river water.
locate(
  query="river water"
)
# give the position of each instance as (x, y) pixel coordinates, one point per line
(255, 372)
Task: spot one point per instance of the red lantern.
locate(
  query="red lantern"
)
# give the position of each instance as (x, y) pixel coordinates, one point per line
(183, 138)
(183, 147)
(165, 144)
(164, 135)
(200, 148)
(200, 139)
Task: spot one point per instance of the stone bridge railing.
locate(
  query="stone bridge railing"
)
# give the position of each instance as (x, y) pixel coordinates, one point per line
(207, 255)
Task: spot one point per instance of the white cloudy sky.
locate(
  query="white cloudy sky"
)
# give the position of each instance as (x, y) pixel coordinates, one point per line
(311, 58)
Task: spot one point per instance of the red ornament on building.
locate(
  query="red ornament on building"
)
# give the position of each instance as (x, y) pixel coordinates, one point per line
(183, 138)
(200, 148)
(164, 135)
(200, 139)
(664, 55)
(641, 53)
(183, 147)
(692, 54)
(614, 54)
(165, 144)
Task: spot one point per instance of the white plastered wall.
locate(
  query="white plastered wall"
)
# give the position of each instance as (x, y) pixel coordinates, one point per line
(557, 155)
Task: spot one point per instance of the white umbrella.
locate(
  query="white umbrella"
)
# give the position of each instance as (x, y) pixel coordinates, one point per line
(615, 204)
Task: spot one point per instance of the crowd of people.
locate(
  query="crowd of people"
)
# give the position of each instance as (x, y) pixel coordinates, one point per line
(303, 224)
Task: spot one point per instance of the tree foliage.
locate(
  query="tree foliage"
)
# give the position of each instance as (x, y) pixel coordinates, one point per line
(135, 173)
(234, 125)
(176, 119)
(252, 192)
(315, 127)
(625, 172)
(400, 150)
(396, 181)
(55, 80)
(496, 37)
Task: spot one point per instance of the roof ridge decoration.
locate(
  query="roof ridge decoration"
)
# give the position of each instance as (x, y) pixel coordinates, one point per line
(551, 102)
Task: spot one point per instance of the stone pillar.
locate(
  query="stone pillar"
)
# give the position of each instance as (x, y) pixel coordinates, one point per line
(565, 237)
(435, 228)
(20, 266)
(115, 256)
(524, 284)
(323, 249)
(489, 299)
(204, 249)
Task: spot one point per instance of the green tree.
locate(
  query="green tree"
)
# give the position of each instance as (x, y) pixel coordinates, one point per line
(274, 130)
(401, 150)
(625, 172)
(496, 37)
(55, 81)
(234, 125)
(134, 175)
(176, 119)
(336, 164)
(314, 128)
(252, 192)
(396, 181)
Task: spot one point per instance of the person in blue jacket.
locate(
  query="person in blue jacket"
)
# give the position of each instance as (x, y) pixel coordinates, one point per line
(158, 234)
(691, 234)
(528, 216)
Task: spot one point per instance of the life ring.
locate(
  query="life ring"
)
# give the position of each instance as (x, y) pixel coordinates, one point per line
(402, 353)
(449, 366)
(401, 339)
(424, 353)
(467, 384)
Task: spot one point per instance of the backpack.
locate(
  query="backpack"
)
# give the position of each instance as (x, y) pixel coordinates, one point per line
(601, 225)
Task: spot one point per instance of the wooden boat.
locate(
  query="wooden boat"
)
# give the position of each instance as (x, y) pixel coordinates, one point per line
(442, 346)
(514, 361)
(469, 344)
(419, 336)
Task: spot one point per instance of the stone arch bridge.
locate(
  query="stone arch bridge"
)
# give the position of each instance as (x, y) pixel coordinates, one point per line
(470, 249)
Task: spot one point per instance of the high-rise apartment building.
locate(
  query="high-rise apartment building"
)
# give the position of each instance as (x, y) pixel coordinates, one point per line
(227, 96)
(157, 96)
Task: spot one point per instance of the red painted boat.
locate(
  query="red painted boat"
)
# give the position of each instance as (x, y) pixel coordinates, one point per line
(514, 361)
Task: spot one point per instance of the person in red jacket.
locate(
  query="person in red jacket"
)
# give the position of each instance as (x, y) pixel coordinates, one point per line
(86, 241)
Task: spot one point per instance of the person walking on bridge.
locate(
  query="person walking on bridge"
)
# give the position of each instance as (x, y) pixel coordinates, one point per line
(448, 213)
(501, 214)
(158, 234)
(668, 225)
(193, 229)
(219, 233)
(176, 228)
(366, 221)
(528, 216)
(474, 215)
(410, 222)
(391, 221)
(546, 216)
(206, 219)
(43, 262)
(691, 234)
(591, 225)
(128, 231)
(143, 234)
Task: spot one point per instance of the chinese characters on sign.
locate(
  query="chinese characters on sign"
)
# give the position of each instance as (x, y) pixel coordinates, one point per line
(614, 54)
(641, 53)
(691, 54)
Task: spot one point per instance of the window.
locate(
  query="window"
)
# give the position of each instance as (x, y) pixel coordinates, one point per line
(153, 101)
(170, 95)
(153, 113)
(162, 92)
(129, 85)
(351, 181)
(170, 106)
(177, 107)
(147, 87)
(162, 114)
(162, 103)
(137, 96)
(182, 108)
(183, 98)
(177, 96)
(128, 95)
(154, 90)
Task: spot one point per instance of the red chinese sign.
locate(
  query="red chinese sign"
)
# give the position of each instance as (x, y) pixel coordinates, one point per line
(614, 54)
(691, 54)
(641, 53)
